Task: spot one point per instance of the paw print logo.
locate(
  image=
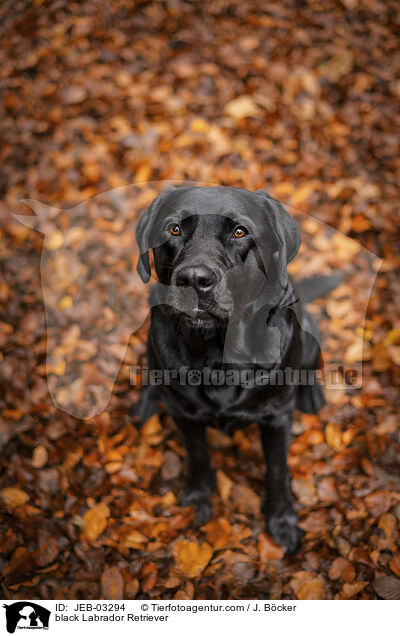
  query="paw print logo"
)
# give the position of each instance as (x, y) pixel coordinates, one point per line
(194, 377)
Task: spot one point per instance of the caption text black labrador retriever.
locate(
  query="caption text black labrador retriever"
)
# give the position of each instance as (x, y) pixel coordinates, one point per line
(226, 302)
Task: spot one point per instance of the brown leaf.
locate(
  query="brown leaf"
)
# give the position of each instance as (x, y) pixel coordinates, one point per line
(342, 569)
(191, 557)
(132, 589)
(95, 521)
(333, 436)
(14, 497)
(172, 466)
(246, 499)
(73, 95)
(387, 587)
(378, 502)
(387, 523)
(349, 590)
(394, 565)
(39, 457)
(243, 106)
(307, 586)
(268, 549)
(218, 532)
(224, 485)
(304, 490)
(327, 489)
(48, 552)
(112, 584)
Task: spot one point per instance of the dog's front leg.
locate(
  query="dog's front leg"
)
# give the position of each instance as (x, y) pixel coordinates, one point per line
(200, 478)
(278, 508)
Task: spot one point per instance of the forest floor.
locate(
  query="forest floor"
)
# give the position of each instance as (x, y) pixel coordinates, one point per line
(298, 98)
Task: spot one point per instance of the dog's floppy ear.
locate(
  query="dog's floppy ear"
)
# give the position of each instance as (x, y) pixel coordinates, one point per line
(286, 232)
(144, 230)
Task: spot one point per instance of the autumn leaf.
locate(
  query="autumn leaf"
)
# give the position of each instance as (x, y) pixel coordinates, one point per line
(350, 590)
(112, 584)
(39, 456)
(268, 549)
(307, 586)
(14, 497)
(218, 532)
(305, 490)
(387, 587)
(192, 557)
(224, 485)
(246, 499)
(95, 520)
(342, 569)
(243, 106)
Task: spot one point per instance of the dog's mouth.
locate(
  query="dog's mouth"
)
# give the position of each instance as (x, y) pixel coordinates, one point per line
(204, 319)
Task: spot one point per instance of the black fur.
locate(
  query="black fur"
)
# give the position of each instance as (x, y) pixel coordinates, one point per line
(251, 318)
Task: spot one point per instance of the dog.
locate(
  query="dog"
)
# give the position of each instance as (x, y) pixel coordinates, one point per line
(223, 300)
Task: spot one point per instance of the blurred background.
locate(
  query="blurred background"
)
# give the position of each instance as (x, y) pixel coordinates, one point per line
(300, 98)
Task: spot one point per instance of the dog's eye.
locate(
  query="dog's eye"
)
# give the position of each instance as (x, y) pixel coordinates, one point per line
(175, 230)
(240, 232)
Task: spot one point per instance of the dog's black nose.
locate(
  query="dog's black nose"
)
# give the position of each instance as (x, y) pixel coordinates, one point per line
(199, 277)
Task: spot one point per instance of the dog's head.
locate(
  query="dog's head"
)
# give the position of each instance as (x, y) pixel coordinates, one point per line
(225, 243)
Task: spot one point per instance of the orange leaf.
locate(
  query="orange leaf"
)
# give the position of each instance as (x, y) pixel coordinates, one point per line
(218, 532)
(39, 456)
(307, 586)
(224, 485)
(191, 557)
(342, 569)
(95, 521)
(387, 523)
(394, 565)
(333, 436)
(14, 497)
(112, 584)
(268, 549)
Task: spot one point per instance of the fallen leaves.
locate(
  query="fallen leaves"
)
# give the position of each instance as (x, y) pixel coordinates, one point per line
(387, 587)
(243, 106)
(14, 497)
(90, 507)
(191, 557)
(307, 586)
(112, 584)
(268, 549)
(218, 532)
(95, 520)
(39, 456)
(342, 569)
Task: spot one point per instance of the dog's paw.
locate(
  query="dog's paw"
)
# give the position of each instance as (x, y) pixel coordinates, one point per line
(284, 530)
(201, 504)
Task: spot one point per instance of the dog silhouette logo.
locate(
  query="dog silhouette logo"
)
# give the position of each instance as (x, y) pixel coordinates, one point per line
(26, 615)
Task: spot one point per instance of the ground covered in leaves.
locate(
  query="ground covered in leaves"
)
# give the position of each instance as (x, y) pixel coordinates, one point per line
(297, 98)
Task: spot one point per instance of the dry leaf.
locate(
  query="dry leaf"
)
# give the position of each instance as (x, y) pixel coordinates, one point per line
(387, 587)
(342, 569)
(349, 590)
(191, 557)
(224, 485)
(218, 532)
(14, 497)
(246, 499)
(39, 456)
(243, 106)
(268, 549)
(307, 586)
(95, 521)
(304, 490)
(112, 584)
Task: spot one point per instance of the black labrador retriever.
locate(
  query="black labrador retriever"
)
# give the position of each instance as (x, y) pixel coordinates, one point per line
(224, 304)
